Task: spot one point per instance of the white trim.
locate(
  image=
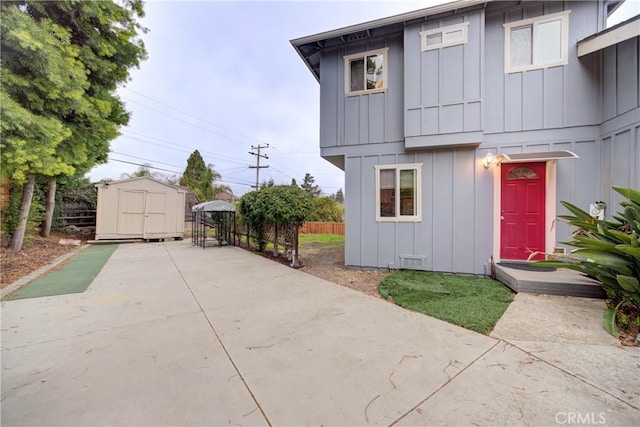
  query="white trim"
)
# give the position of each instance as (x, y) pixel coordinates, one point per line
(609, 38)
(497, 203)
(536, 156)
(534, 22)
(418, 192)
(550, 206)
(347, 71)
(463, 27)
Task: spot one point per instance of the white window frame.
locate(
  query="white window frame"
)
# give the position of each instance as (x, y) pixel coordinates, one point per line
(347, 71)
(444, 31)
(417, 167)
(534, 23)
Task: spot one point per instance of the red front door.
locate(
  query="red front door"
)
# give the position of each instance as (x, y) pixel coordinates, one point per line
(522, 210)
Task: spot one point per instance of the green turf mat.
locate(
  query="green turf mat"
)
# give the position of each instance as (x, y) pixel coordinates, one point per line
(74, 277)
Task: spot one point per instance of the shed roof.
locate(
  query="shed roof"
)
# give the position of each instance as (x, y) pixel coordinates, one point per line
(214, 206)
(141, 178)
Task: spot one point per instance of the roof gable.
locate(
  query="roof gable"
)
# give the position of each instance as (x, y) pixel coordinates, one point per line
(309, 47)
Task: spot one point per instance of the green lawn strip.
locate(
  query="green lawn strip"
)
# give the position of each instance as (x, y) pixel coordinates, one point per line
(325, 239)
(73, 277)
(472, 302)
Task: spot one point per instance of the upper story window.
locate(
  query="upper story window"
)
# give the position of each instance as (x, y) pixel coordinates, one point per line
(444, 37)
(365, 72)
(536, 43)
(398, 191)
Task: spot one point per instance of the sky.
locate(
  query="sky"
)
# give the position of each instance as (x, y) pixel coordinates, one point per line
(222, 77)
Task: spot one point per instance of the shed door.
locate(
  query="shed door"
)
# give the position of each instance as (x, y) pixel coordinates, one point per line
(131, 213)
(155, 214)
(522, 212)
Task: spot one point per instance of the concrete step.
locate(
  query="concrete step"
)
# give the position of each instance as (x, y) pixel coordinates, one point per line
(560, 282)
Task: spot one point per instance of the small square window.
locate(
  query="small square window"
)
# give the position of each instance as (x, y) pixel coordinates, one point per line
(366, 72)
(536, 43)
(439, 38)
(398, 192)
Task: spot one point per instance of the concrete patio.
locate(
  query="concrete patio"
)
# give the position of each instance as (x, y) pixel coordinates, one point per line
(170, 334)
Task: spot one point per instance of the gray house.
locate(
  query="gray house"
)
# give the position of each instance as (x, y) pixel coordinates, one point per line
(461, 127)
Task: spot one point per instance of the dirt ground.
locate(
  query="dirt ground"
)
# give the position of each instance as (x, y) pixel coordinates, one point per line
(328, 263)
(36, 252)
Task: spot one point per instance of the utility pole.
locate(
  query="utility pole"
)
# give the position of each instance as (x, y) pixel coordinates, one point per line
(257, 167)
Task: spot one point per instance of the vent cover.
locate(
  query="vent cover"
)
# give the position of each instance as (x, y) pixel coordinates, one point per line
(357, 36)
(413, 262)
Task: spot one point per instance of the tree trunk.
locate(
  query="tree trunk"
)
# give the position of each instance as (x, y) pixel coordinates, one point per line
(50, 204)
(15, 244)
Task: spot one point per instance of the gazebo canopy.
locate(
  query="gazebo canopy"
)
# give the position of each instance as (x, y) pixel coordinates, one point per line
(214, 206)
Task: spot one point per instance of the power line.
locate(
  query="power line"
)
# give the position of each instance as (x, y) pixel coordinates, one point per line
(181, 148)
(194, 117)
(142, 158)
(143, 165)
(167, 170)
(183, 121)
(206, 129)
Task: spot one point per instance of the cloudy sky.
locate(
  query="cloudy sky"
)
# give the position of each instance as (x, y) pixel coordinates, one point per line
(222, 77)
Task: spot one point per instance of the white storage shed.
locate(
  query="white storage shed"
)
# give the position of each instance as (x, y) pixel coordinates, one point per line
(139, 208)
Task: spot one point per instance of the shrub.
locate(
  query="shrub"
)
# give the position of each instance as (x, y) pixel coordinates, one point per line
(609, 251)
(278, 204)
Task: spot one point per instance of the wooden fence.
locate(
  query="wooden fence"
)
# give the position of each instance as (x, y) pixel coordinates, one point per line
(323, 228)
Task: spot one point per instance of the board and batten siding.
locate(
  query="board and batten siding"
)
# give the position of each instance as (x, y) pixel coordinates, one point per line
(455, 233)
(554, 97)
(443, 87)
(590, 106)
(365, 119)
(621, 118)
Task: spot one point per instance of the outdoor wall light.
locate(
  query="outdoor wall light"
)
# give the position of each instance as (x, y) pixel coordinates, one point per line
(493, 159)
(488, 160)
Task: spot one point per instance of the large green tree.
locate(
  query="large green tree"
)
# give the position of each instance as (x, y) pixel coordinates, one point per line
(309, 185)
(200, 178)
(339, 197)
(62, 62)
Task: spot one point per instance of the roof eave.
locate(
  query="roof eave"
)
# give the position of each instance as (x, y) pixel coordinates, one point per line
(618, 33)
(394, 19)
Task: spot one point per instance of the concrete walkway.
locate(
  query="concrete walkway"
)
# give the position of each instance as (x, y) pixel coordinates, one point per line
(169, 334)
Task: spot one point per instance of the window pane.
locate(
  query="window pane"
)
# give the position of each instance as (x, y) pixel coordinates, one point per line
(407, 192)
(357, 75)
(387, 193)
(434, 39)
(520, 46)
(547, 42)
(453, 36)
(375, 73)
